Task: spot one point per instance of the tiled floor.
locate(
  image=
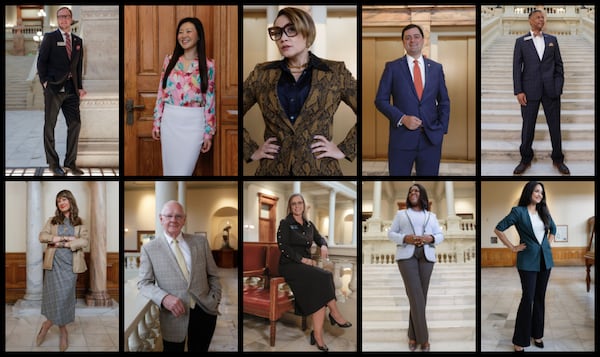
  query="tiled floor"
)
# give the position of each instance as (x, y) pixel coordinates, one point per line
(380, 168)
(89, 332)
(291, 338)
(570, 315)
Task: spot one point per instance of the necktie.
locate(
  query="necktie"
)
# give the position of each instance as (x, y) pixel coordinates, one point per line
(183, 267)
(68, 44)
(418, 80)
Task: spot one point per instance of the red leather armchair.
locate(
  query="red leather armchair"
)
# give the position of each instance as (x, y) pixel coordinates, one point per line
(265, 296)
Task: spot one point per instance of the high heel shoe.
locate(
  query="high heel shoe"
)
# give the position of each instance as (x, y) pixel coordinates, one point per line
(425, 347)
(539, 344)
(333, 322)
(64, 343)
(412, 345)
(41, 335)
(522, 349)
(313, 341)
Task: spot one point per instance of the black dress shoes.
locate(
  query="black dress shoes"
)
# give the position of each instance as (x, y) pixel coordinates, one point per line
(57, 171)
(75, 170)
(562, 168)
(521, 168)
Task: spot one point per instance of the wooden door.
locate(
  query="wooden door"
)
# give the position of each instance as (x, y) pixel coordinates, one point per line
(149, 36)
(267, 213)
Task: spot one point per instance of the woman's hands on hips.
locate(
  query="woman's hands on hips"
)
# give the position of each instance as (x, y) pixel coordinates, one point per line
(322, 148)
(267, 150)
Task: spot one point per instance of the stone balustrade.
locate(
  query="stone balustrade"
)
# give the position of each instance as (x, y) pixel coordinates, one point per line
(458, 245)
(142, 326)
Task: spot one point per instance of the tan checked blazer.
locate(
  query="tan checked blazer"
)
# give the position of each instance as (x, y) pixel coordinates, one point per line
(160, 275)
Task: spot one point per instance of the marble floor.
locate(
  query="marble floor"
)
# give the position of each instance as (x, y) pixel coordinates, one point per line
(291, 338)
(570, 314)
(380, 168)
(94, 329)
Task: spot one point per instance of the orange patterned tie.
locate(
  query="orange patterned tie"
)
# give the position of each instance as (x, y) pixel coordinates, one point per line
(68, 43)
(418, 80)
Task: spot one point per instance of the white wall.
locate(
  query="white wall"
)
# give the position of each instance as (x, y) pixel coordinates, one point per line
(570, 203)
(16, 210)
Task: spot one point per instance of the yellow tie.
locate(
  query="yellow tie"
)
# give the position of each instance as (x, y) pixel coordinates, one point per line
(183, 267)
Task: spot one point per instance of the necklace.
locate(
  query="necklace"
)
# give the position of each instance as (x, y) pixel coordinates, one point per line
(302, 66)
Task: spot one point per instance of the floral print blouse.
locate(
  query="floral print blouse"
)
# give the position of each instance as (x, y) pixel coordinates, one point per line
(183, 89)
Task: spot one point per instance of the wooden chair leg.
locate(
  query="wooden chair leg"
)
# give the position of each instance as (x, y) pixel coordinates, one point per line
(272, 333)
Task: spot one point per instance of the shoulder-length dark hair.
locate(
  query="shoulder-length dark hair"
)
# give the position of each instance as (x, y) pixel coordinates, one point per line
(59, 217)
(423, 199)
(289, 206)
(541, 208)
(201, 48)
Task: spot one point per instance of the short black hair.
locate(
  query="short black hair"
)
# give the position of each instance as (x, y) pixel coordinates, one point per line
(412, 26)
(534, 11)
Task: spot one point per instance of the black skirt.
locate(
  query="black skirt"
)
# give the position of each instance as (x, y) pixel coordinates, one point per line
(313, 287)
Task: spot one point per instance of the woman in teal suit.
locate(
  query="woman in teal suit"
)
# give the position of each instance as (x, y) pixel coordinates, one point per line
(536, 229)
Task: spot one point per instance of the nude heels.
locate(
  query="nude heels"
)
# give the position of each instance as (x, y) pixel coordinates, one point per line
(41, 335)
(64, 342)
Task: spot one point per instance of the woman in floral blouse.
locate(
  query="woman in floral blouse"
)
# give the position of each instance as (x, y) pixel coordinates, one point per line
(184, 115)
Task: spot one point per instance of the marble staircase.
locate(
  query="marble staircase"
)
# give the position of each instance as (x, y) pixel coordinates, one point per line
(17, 86)
(501, 115)
(450, 308)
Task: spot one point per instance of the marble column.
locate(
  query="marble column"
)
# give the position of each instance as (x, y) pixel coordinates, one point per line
(355, 223)
(99, 136)
(374, 222)
(452, 221)
(181, 199)
(331, 240)
(34, 254)
(164, 191)
(297, 187)
(98, 295)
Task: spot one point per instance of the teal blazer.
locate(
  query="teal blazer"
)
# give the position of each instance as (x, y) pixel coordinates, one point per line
(529, 258)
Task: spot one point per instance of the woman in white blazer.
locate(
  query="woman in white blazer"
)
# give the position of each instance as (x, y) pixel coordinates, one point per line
(416, 232)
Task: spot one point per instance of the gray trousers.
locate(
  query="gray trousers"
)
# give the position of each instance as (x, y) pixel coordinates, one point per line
(416, 273)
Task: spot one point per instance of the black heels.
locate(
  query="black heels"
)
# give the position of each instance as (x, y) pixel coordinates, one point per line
(333, 322)
(313, 341)
(538, 344)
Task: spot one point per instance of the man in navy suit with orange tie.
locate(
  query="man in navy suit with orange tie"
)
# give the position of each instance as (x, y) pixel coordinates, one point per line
(420, 108)
(538, 77)
(59, 65)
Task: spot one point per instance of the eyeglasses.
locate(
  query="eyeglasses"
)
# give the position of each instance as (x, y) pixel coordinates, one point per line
(177, 217)
(64, 16)
(275, 32)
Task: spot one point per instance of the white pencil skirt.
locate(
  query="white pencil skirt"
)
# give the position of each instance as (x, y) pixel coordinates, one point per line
(181, 137)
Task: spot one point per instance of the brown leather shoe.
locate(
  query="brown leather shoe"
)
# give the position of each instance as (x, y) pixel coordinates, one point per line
(562, 168)
(521, 168)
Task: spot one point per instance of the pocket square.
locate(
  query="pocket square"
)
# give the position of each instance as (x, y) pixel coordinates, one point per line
(551, 44)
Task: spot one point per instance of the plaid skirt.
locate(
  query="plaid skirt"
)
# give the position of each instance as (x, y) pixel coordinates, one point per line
(58, 297)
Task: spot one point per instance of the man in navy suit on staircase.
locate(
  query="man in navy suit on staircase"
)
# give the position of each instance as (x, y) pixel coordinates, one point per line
(538, 78)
